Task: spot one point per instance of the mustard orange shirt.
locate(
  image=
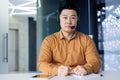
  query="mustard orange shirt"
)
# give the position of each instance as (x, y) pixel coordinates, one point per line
(79, 50)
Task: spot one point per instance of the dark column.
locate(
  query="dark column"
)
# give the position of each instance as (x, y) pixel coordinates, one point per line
(88, 20)
(32, 44)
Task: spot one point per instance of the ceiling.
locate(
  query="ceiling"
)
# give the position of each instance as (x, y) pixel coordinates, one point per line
(26, 7)
(22, 7)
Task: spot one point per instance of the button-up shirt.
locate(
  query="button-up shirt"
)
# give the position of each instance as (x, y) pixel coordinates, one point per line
(79, 50)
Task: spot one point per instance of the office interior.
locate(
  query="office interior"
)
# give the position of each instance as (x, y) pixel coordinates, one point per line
(22, 35)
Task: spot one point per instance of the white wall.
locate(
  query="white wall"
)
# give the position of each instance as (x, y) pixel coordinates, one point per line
(21, 24)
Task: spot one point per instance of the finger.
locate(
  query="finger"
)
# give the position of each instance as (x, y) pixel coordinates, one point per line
(63, 73)
(75, 69)
(78, 72)
(81, 72)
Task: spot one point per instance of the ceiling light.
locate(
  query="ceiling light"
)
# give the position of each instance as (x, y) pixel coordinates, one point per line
(24, 8)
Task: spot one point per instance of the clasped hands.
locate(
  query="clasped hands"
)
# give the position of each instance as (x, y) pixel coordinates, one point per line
(65, 70)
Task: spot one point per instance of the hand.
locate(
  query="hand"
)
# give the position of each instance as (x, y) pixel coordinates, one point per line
(79, 70)
(63, 70)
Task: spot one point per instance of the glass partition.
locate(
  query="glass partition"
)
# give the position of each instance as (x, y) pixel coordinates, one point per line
(108, 13)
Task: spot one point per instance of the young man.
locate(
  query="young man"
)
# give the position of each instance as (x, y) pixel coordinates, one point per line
(68, 51)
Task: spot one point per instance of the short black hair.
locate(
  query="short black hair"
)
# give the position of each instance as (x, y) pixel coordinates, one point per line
(69, 6)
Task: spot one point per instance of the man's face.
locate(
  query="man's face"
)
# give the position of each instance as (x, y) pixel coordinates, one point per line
(68, 19)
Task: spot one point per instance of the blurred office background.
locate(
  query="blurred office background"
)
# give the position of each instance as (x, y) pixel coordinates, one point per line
(25, 23)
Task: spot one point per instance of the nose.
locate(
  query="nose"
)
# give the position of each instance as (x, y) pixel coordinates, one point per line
(69, 21)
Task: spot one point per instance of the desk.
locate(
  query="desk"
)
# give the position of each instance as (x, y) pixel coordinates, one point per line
(107, 75)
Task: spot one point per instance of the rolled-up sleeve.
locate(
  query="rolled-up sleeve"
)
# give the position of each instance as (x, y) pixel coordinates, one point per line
(45, 64)
(93, 62)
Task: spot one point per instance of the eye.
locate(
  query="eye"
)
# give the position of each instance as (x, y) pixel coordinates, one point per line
(73, 17)
(64, 17)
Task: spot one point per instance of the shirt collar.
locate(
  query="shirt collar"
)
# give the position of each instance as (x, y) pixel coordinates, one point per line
(72, 37)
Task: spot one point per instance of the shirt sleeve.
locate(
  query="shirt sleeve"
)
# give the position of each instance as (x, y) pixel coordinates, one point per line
(45, 63)
(92, 57)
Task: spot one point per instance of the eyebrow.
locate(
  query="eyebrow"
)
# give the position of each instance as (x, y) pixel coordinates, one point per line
(71, 15)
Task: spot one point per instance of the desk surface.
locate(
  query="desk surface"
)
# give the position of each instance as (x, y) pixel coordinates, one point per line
(107, 75)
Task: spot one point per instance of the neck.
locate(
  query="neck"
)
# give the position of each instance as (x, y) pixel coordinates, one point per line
(67, 35)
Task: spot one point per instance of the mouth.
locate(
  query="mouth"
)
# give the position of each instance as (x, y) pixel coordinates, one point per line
(72, 27)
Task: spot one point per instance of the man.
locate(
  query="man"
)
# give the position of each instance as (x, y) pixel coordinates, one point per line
(68, 51)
